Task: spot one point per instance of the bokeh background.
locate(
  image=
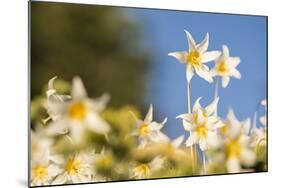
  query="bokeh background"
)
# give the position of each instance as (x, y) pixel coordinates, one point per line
(123, 51)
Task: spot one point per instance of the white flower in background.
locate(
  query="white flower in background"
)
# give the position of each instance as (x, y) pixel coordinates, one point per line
(258, 136)
(77, 114)
(196, 57)
(148, 130)
(172, 147)
(237, 145)
(43, 170)
(202, 125)
(76, 169)
(226, 67)
(39, 144)
(263, 119)
(143, 170)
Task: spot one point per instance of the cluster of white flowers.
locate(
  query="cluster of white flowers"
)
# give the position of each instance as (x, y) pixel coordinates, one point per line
(229, 142)
(233, 140)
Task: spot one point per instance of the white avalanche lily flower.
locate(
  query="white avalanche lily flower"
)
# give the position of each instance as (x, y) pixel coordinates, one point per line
(237, 145)
(76, 169)
(143, 170)
(77, 113)
(263, 119)
(226, 67)
(202, 125)
(196, 57)
(148, 130)
(43, 169)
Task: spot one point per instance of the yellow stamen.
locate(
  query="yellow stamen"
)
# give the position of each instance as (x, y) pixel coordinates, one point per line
(201, 131)
(224, 130)
(40, 172)
(72, 166)
(144, 130)
(233, 148)
(194, 58)
(195, 117)
(142, 170)
(77, 111)
(222, 68)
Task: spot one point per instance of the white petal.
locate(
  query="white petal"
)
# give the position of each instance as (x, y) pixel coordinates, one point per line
(156, 163)
(213, 140)
(203, 46)
(225, 51)
(205, 74)
(77, 131)
(203, 144)
(234, 124)
(263, 120)
(78, 90)
(97, 124)
(233, 61)
(98, 104)
(210, 56)
(57, 159)
(178, 141)
(246, 126)
(148, 117)
(189, 72)
(196, 105)
(248, 157)
(235, 73)
(191, 42)
(57, 128)
(264, 102)
(181, 56)
(61, 179)
(187, 126)
(53, 171)
(200, 117)
(211, 108)
(233, 165)
(187, 117)
(192, 139)
(225, 81)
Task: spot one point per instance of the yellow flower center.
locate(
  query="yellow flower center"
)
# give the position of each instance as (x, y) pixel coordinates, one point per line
(222, 68)
(142, 169)
(72, 166)
(233, 148)
(224, 130)
(194, 58)
(40, 172)
(144, 130)
(77, 111)
(201, 131)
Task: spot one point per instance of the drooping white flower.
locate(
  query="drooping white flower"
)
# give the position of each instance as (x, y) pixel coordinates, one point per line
(75, 169)
(237, 144)
(196, 57)
(263, 119)
(143, 170)
(43, 169)
(225, 67)
(77, 113)
(202, 125)
(148, 130)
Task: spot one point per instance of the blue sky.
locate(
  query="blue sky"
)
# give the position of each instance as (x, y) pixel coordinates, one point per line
(163, 32)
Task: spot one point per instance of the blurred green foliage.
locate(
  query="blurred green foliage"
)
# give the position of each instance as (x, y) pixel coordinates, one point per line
(98, 43)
